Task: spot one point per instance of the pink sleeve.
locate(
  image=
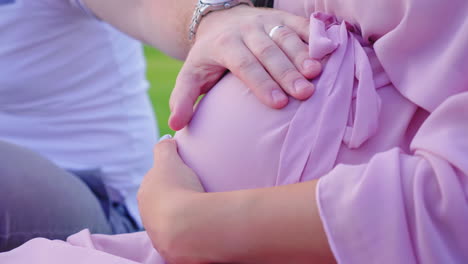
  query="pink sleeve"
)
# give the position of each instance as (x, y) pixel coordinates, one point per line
(425, 54)
(420, 43)
(402, 208)
(408, 208)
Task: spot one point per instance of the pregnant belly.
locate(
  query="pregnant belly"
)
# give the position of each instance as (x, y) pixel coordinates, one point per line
(234, 141)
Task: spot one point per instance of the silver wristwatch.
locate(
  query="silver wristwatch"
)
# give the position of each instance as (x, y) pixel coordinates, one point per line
(206, 6)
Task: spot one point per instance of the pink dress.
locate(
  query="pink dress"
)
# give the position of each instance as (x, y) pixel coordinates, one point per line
(386, 132)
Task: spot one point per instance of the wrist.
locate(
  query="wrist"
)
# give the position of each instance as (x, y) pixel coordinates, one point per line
(220, 227)
(207, 8)
(183, 231)
(226, 226)
(275, 225)
(213, 227)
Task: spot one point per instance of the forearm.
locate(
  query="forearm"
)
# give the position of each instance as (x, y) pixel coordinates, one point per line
(271, 225)
(159, 23)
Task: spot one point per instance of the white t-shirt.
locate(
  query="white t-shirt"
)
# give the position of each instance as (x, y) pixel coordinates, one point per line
(73, 89)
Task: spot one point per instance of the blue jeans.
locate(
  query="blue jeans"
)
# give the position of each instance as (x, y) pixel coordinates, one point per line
(116, 213)
(39, 199)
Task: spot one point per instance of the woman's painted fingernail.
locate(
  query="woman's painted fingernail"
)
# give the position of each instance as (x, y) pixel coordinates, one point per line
(165, 137)
(302, 86)
(278, 97)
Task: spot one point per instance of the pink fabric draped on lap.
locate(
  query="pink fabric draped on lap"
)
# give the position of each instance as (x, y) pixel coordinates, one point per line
(386, 132)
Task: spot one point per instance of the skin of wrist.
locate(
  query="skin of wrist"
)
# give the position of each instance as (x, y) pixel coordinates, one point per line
(270, 225)
(214, 18)
(251, 226)
(181, 228)
(211, 226)
(228, 224)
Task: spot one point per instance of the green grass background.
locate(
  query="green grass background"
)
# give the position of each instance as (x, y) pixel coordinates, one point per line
(161, 73)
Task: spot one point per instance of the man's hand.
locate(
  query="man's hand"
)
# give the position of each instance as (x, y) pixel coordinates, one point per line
(238, 39)
(235, 39)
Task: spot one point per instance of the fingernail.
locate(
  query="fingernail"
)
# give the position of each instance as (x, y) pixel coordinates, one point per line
(278, 97)
(301, 86)
(310, 65)
(167, 136)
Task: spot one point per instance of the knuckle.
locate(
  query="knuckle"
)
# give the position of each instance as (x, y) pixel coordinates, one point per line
(268, 85)
(267, 50)
(285, 34)
(288, 74)
(189, 77)
(245, 62)
(304, 24)
(262, 86)
(224, 39)
(299, 58)
(191, 72)
(188, 83)
(259, 18)
(296, 20)
(161, 150)
(300, 21)
(248, 28)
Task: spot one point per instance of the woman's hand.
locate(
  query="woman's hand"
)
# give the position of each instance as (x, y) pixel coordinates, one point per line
(238, 39)
(187, 225)
(167, 200)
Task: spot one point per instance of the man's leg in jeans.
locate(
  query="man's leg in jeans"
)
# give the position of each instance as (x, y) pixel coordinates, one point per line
(39, 199)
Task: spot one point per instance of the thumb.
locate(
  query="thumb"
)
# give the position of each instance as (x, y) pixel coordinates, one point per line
(165, 151)
(183, 97)
(196, 77)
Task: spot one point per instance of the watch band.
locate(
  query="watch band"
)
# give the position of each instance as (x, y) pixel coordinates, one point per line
(207, 6)
(263, 3)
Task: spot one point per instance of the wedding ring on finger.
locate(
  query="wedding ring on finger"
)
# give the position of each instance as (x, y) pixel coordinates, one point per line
(274, 30)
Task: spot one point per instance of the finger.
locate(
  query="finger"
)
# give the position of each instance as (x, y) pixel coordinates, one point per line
(242, 63)
(298, 24)
(192, 81)
(173, 171)
(279, 65)
(182, 99)
(165, 151)
(297, 51)
(165, 165)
